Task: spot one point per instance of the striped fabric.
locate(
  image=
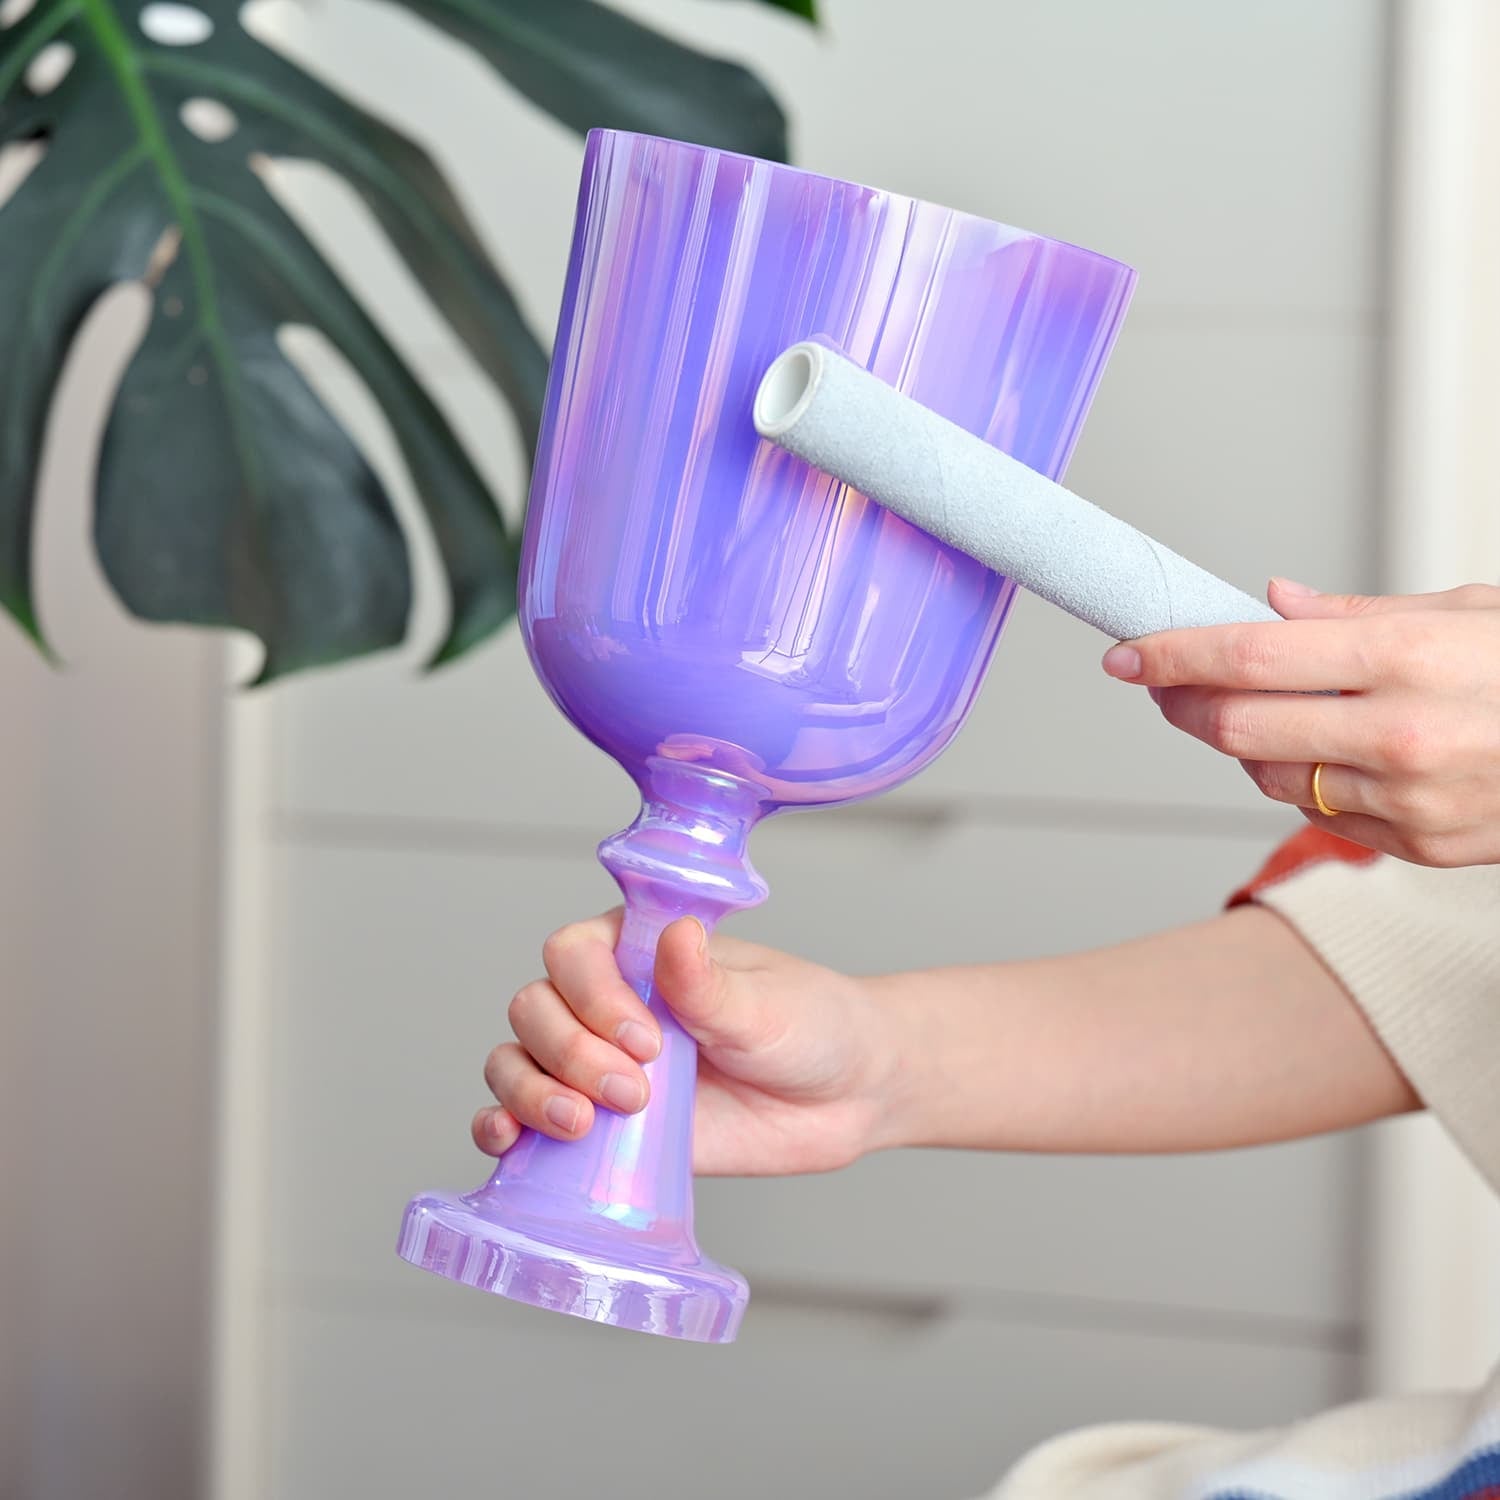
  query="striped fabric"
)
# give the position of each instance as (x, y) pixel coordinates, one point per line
(1476, 1478)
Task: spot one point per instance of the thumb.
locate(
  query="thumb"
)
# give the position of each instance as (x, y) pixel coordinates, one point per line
(712, 1002)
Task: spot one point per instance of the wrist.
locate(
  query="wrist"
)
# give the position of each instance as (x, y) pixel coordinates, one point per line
(900, 1083)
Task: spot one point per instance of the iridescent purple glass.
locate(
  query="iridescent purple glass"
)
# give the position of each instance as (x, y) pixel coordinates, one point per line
(740, 632)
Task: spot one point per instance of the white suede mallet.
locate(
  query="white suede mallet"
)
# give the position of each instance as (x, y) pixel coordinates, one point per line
(819, 405)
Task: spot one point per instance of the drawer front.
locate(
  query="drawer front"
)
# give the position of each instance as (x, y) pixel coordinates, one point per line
(448, 1392)
(396, 967)
(1217, 443)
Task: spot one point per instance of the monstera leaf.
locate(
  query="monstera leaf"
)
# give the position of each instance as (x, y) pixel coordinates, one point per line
(227, 493)
(803, 8)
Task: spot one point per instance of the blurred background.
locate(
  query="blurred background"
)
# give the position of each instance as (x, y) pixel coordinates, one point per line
(256, 947)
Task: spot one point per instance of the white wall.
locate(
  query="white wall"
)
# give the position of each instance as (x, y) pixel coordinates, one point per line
(108, 921)
(919, 1320)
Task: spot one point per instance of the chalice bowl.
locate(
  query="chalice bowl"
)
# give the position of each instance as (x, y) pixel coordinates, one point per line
(742, 633)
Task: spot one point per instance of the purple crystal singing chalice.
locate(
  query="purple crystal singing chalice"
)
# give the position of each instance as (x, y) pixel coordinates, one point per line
(742, 633)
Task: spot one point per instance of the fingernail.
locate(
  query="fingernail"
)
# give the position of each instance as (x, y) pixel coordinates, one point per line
(1295, 589)
(623, 1094)
(1123, 662)
(1154, 694)
(702, 937)
(498, 1125)
(562, 1112)
(641, 1042)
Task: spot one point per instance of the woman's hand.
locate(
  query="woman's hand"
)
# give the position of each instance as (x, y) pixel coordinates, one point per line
(792, 1061)
(1410, 747)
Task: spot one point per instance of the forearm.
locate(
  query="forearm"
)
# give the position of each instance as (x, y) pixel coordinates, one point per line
(1225, 1033)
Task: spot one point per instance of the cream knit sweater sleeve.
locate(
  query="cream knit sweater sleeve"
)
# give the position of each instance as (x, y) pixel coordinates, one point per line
(1419, 952)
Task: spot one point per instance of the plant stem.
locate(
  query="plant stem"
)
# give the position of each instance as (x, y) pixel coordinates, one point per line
(125, 63)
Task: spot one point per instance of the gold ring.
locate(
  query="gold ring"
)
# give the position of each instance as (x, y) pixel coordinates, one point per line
(1323, 807)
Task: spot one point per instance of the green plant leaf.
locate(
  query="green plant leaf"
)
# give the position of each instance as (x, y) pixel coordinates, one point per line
(807, 9)
(227, 493)
(591, 66)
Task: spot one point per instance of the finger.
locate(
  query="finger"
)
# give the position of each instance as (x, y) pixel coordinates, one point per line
(604, 928)
(1344, 788)
(1307, 656)
(1269, 726)
(1288, 600)
(580, 961)
(713, 1003)
(563, 1046)
(1357, 828)
(495, 1130)
(535, 1098)
(1441, 851)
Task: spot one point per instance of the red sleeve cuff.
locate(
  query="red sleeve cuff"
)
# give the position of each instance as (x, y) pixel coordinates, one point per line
(1312, 846)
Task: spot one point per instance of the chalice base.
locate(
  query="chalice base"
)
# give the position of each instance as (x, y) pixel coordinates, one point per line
(576, 1263)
